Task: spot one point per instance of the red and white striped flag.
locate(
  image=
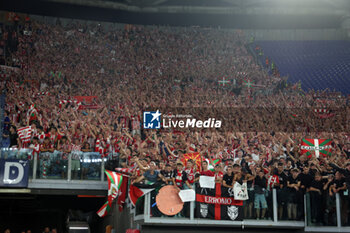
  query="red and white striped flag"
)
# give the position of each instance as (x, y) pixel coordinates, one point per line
(25, 134)
(126, 171)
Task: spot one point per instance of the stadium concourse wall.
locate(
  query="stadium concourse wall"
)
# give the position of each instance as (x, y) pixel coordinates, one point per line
(259, 34)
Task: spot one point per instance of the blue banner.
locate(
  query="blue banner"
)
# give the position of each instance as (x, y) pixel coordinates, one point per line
(14, 173)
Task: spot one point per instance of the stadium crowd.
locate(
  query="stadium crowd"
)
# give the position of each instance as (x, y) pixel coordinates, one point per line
(135, 69)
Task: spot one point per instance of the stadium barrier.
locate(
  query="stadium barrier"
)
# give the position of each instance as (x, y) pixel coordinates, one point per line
(59, 165)
(145, 213)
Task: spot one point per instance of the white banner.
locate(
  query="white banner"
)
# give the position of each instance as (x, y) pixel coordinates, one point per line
(240, 191)
(187, 195)
(207, 182)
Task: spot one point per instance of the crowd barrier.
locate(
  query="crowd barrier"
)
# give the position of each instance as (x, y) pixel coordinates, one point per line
(59, 165)
(331, 213)
(332, 218)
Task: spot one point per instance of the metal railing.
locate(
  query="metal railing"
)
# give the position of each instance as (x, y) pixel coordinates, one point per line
(59, 165)
(146, 216)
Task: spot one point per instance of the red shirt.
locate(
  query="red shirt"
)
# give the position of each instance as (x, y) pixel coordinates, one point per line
(207, 173)
(219, 175)
(190, 175)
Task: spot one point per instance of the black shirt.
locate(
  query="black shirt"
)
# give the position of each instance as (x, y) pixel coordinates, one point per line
(317, 184)
(338, 184)
(305, 179)
(293, 181)
(228, 179)
(260, 185)
(13, 139)
(282, 178)
(167, 174)
(180, 177)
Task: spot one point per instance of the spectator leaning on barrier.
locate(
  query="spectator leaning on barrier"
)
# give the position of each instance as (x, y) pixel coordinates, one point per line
(260, 203)
(180, 179)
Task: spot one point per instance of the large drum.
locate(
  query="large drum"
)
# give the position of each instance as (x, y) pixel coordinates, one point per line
(168, 200)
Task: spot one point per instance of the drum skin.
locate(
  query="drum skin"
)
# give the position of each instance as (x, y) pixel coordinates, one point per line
(168, 200)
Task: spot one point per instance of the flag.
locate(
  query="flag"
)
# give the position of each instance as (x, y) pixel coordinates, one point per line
(25, 134)
(316, 146)
(99, 148)
(211, 166)
(248, 83)
(104, 210)
(323, 113)
(218, 204)
(114, 183)
(32, 112)
(214, 163)
(223, 82)
(122, 193)
(124, 171)
(196, 157)
(135, 193)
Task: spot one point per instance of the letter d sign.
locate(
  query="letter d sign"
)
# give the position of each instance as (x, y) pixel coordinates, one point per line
(15, 169)
(14, 173)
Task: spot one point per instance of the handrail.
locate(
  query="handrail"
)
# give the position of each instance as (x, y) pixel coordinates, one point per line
(274, 223)
(88, 162)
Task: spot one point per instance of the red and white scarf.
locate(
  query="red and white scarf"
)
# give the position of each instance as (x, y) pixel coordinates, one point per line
(64, 102)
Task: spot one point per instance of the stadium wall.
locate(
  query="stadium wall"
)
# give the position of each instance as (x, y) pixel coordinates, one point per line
(259, 34)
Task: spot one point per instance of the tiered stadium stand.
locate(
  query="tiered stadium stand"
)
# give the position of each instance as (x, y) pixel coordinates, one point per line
(317, 64)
